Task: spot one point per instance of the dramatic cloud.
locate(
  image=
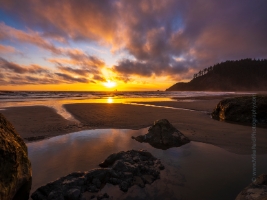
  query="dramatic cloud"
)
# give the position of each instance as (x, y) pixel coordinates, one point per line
(71, 79)
(9, 33)
(6, 49)
(78, 20)
(82, 72)
(172, 38)
(13, 73)
(5, 65)
(79, 63)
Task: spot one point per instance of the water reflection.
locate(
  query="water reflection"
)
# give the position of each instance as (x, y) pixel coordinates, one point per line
(57, 104)
(110, 100)
(193, 171)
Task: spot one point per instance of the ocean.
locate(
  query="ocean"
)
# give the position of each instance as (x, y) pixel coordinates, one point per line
(82, 95)
(56, 100)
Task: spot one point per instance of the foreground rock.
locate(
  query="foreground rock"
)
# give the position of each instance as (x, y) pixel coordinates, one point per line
(163, 135)
(124, 169)
(239, 109)
(15, 167)
(257, 190)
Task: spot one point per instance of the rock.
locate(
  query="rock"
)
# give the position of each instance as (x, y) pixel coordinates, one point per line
(124, 186)
(102, 196)
(15, 167)
(257, 190)
(239, 110)
(73, 194)
(138, 181)
(120, 169)
(96, 182)
(148, 179)
(55, 196)
(163, 135)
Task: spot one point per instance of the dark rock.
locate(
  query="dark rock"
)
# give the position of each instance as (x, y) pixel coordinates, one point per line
(163, 135)
(96, 182)
(148, 179)
(110, 160)
(119, 166)
(257, 190)
(93, 188)
(114, 181)
(138, 181)
(120, 169)
(124, 186)
(239, 110)
(15, 167)
(54, 195)
(73, 194)
(102, 196)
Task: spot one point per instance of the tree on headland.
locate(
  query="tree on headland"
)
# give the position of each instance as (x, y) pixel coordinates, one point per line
(240, 75)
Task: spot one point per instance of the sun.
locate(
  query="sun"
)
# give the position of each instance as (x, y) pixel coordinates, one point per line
(110, 84)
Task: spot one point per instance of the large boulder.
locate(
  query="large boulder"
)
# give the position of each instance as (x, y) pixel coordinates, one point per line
(257, 190)
(124, 169)
(15, 167)
(163, 135)
(240, 110)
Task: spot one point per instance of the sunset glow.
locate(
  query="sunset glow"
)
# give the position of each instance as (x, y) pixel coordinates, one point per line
(144, 45)
(110, 84)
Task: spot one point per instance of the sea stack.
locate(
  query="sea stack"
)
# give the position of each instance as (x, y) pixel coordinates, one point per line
(163, 135)
(15, 167)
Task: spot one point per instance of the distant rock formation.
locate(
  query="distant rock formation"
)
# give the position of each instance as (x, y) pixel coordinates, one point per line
(124, 169)
(257, 190)
(239, 109)
(15, 167)
(241, 75)
(163, 135)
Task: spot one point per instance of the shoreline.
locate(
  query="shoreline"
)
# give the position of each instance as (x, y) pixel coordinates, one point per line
(41, 122)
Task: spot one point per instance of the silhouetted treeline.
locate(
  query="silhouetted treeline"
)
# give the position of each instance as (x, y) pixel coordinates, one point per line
(203, 72)
(241, 75)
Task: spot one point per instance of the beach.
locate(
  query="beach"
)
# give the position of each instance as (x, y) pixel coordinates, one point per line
(85, 132)
(191, 117)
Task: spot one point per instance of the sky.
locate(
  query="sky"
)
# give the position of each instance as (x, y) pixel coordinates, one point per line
(106, 45)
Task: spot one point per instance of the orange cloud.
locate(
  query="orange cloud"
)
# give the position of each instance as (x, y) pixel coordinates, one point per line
(9, 33)
(171, 38)
(7, 49)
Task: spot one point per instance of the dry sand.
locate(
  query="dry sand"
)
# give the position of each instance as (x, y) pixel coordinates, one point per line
(39, 121)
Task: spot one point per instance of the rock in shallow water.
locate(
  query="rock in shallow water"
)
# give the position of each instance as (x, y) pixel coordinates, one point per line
(239, 109)
(124, 169)
(257, 190)
(163, 135)
(15, 167)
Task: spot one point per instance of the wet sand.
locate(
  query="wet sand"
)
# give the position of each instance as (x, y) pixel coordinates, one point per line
(198, 126)
(37, 122)
(198, 105)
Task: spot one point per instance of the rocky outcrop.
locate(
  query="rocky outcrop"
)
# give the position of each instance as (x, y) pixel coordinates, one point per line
(257, 190)
(240, 109)
(124, 169)
(163, 135)
(15, 167)
(240, 75)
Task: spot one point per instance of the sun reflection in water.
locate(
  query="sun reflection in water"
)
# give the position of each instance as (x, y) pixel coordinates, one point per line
(110, 100)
